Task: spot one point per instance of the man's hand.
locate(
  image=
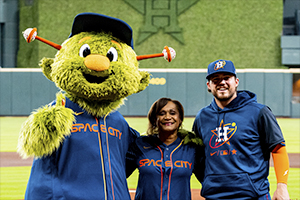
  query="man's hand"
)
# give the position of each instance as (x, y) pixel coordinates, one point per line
(281, 192)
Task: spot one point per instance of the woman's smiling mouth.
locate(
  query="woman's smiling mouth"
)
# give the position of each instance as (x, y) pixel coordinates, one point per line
(168, 123)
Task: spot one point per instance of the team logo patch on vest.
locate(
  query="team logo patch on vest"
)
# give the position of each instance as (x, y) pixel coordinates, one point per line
(222, 134)
(219, 65)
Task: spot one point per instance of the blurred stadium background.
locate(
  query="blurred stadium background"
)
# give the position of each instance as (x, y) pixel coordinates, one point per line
(261, 37)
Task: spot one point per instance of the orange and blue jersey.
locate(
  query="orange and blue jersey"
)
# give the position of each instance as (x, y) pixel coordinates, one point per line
(238, 140)
(89, 164)
(164, 170)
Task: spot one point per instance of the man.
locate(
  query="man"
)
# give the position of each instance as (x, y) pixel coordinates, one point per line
(239, 134)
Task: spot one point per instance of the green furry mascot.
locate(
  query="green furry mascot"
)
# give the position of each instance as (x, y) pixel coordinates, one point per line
(79, 141)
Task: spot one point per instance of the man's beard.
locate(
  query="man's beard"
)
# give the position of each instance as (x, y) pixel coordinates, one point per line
(224, 98)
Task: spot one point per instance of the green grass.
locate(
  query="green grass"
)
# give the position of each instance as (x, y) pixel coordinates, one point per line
(9, 132)
(13, 180)
(291, 132)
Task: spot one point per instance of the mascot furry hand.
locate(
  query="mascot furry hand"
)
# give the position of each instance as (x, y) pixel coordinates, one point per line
(80, 140)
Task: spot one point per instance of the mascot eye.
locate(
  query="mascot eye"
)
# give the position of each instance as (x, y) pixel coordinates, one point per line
(112, 54)
(85, 50)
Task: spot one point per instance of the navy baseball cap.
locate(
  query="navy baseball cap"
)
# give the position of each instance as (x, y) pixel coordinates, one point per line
(88, 22)
(218, 66)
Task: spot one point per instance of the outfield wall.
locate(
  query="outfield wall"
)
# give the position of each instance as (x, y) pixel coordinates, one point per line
(23, 90)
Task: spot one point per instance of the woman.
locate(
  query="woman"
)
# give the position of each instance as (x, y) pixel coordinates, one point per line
(166, 157)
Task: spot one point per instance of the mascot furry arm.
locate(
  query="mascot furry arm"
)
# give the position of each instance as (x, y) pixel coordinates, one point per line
(45, 129)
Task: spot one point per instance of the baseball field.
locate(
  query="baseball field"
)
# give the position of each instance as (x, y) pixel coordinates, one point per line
(14, 172)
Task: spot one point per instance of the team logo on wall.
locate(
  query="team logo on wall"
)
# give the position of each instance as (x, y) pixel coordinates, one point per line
(220, 64)
(160, 14)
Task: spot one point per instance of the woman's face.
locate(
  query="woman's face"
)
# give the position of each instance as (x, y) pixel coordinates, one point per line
(168, 119)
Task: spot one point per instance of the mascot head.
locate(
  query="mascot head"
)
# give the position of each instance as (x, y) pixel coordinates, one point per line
(97, 66)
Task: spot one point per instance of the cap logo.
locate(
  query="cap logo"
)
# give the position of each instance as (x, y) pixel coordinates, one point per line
(220, 64)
